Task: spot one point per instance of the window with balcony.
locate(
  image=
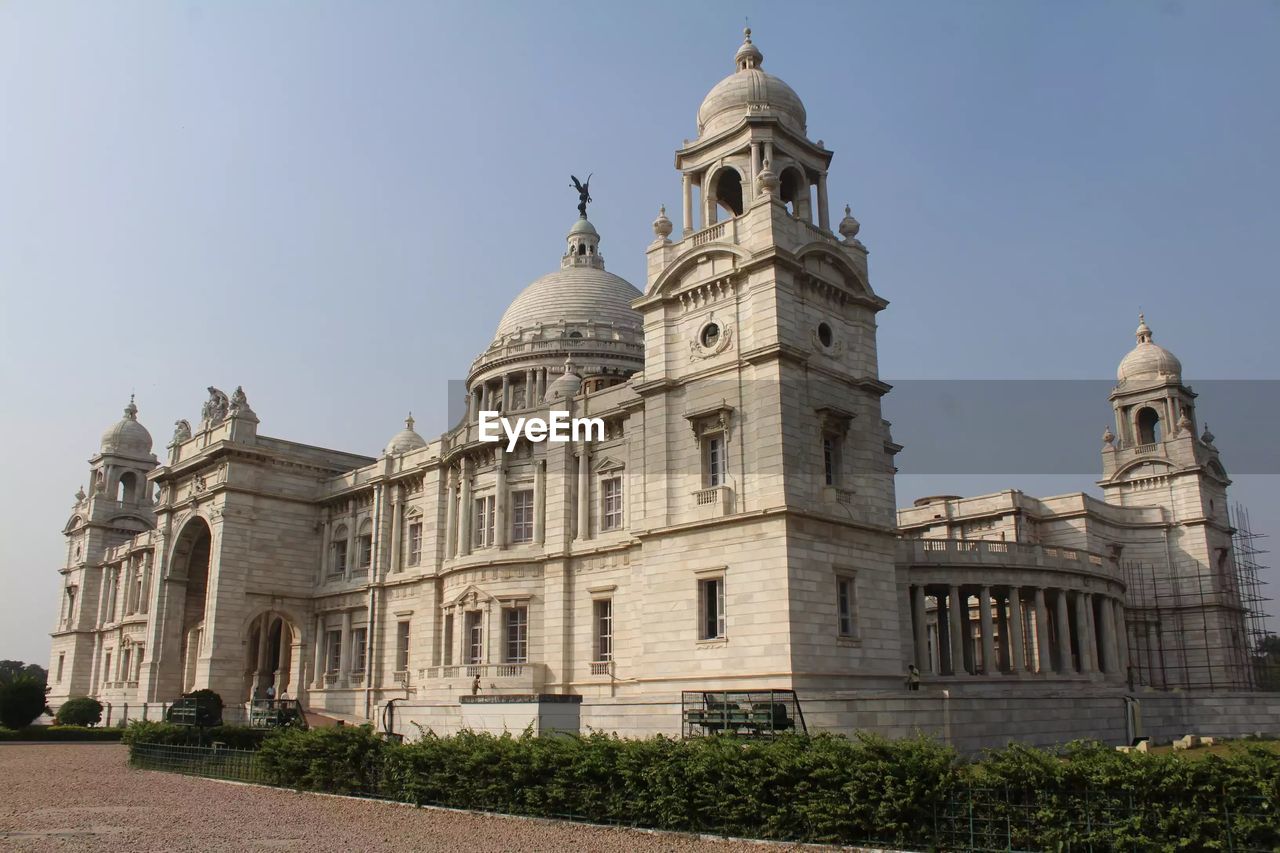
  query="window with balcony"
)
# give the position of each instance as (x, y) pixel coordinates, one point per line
(359, 649)
(516, 634)
(364, 547)
(106, 667)
(522, 516)
(126, 662)
(603, 618)
(482, 522)
(474, 628)
(713, 460)
(402, 646)
(611, 503)
(844, 606)
(415, 543)
(332, 651)
(832, 447)
(711, 622)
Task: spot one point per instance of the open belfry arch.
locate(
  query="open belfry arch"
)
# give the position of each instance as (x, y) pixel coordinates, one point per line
(734, 532)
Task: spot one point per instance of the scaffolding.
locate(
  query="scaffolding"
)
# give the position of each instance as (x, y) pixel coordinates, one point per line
(1193, 626)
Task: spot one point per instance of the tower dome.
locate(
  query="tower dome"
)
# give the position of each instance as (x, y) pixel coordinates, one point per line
(405, 440)
(581, 291)
(1148, 360)
(127, 437)
(750, 91)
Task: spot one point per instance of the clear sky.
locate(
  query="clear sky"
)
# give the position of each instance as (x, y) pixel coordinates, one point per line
(332, 203)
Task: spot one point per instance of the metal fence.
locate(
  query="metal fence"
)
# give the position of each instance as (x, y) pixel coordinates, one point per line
(972, 819)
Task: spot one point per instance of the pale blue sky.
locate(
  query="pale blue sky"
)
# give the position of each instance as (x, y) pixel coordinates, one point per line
(331, 203)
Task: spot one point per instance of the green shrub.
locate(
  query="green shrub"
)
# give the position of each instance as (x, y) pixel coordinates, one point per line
(208, 707)
(339, 760)
(21, 700)
(235, 737)
(52, 733)
(81, 711)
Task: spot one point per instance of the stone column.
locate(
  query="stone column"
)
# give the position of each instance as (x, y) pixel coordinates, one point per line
(918, 625)
(352, 556)
(1122, 635)
(450, 514)
(1044, 652)
(529, 397)
(539, 500)
(687, 224)
(506, 393)
(464, 508)
(755, 173)
(397, 528)
(344, 651)
(318, 674)
(956, 620)
(988, 641)
(1063, 624)
(1083, 639)
(584, 492)
(1106, 628)
(1004, 662)
(1017, 662)
(500, 497)
(824, 217)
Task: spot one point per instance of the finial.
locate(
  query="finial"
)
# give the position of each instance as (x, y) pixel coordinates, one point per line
(662, 225)
(849, 227)
(131, 410)
(748, 55)
(408, 422)
(80, 496)
(1206, 436)
(746, 35)
(1108, 437)
(1144, 331)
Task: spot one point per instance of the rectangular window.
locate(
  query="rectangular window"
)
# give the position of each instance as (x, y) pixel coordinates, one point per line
(415, 543)
(516, 629)
(359, 649)
(402, 646)
(333, 651)
(137, 663)
(831, 459)
(338, 564)
(364, 550)
(448, 640)
(71, 604)
(713, 460)
(62, 660)
(106, 668)
(844, 606)
(126, 658)
(711, 609)
(611, 503)
(522, 516)
(113, 589)
(482, 523)
(603, 618)
(474, 626)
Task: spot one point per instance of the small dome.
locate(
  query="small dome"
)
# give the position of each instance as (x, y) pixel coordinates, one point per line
(405, 440)
(1148, 360)
(580, 291)
(750, 91)
(566, 386)
(127, 437)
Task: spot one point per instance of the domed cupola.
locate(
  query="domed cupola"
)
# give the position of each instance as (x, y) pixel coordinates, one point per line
(1148, 361)
(581, 311)
(126, 437)
(750, 91)
(405, 440)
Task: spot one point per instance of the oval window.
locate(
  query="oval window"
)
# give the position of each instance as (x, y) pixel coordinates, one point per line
(710, 335)
(824, 334)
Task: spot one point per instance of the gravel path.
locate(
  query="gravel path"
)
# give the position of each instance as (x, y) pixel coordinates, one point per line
(69, 796)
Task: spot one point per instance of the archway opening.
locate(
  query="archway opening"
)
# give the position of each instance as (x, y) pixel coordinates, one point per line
(1148, 426)
(729, 191)
(127, 488)
(191, 562)
(794, 191)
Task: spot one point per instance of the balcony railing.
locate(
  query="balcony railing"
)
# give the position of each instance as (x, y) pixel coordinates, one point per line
(977, 552)
(714, 501)
(401, 677)
(602, 667)
(330, 679)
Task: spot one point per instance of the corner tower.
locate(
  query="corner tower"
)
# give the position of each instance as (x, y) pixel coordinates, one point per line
(767, 456)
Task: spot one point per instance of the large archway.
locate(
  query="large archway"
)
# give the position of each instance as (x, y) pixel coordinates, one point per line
(190, 562)
(270, 650)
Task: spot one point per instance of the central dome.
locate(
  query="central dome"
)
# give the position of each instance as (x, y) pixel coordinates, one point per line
(750, 91)
(581, 291)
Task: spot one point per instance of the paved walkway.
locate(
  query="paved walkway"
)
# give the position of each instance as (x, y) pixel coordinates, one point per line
(69, 796)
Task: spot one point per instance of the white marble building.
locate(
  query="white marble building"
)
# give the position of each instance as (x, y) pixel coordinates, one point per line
(735, 528)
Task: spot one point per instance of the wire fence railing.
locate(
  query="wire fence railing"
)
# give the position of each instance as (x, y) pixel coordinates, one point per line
(970, 819)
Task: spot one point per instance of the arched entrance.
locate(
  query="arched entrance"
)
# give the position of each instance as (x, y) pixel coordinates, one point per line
(191, 562)
(269, 657)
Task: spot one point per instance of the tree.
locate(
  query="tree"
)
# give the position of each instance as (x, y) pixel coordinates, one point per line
(21, 699)
(81, 711)
(10, 668)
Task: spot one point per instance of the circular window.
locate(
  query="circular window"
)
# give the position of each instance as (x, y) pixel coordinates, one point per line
(710, 335)
(824, 334)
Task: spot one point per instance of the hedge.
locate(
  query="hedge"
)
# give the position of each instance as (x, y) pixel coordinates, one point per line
(235, 737)
(80, 711)
(50, 733)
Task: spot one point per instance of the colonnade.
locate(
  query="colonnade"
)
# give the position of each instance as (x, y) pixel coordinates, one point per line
(489, 397)
(993, 630)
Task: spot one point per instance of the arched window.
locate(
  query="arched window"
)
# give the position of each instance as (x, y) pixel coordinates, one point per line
(1148, 426)
(338, 551)
(794, 190)
(729, 190)
(127, 487)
